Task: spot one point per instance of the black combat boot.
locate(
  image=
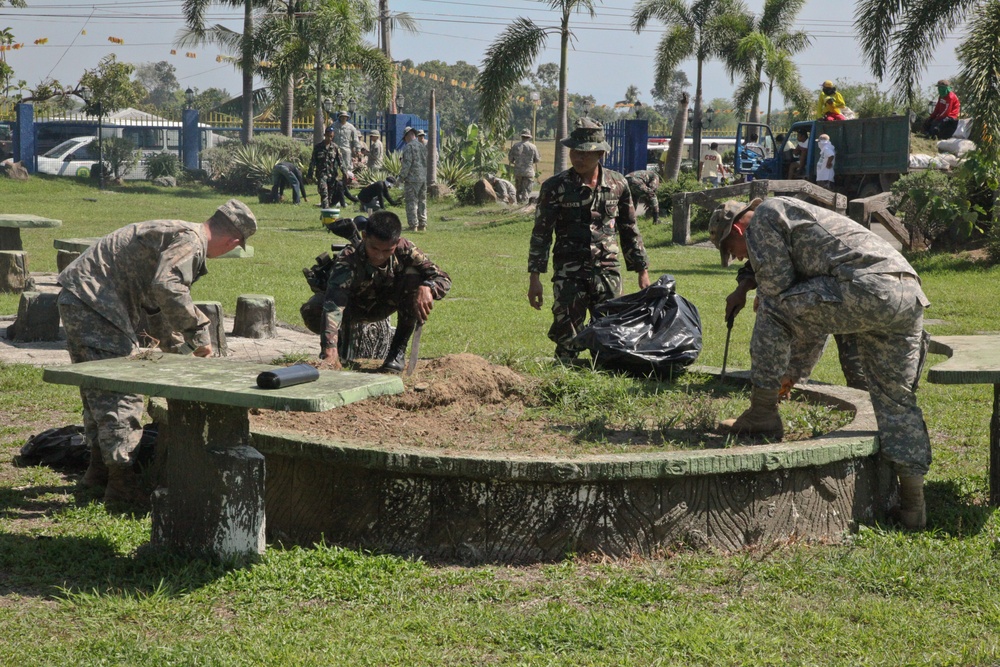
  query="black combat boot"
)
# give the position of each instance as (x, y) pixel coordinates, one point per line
(395, 361)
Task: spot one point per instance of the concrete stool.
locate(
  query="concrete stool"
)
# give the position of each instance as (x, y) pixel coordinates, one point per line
(37, 318)
(238, 253)
(14, 275)
(69, 249)
(213, 309)
(255, 316)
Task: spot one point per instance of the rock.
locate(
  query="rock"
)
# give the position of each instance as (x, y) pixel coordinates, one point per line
(165, 181)
(439, 191)
(14, 170)
(484, 192)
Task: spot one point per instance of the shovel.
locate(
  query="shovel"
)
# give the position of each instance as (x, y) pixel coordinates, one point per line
(725, 355)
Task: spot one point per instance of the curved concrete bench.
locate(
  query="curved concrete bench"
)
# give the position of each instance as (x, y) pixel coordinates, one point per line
(524, 509)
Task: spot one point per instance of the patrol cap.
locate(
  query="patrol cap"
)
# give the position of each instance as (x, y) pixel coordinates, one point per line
(375, 133)
(828, 84)
(526, 133)
(588, 136)
(239, 216)
(721, 223)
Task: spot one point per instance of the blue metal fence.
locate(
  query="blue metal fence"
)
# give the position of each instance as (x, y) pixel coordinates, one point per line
(628, 145)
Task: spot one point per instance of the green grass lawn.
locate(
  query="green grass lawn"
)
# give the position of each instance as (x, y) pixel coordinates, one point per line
(74, 590)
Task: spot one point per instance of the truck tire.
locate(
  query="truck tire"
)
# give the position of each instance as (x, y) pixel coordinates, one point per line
(869, 189)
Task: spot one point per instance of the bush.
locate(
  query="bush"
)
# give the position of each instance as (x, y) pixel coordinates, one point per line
(933, 205)
(686, 182)
(238, 169)
(120, 155)
(163, 164)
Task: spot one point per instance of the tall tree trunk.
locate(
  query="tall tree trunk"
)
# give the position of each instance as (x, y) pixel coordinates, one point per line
(755, 104)
(246, 62)
(432, 148)
(770, 91)
(318, 119)
(288, 107)
(696, 131)
(562, 122)
(383, 19)
(672, 165)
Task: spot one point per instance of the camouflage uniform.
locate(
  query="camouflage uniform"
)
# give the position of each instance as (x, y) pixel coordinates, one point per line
(585, 255)
(504, 190)
(643, 185)
(142, 270)
(326, 163)
(413, 173)
(524, 156)
(347, 138)
(358, 291)
(376, 154)
(817, 273)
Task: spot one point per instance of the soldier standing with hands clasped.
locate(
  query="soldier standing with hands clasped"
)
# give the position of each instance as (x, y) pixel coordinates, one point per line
(144, 270)
(523, 156)
(584, 207)
(816, 273)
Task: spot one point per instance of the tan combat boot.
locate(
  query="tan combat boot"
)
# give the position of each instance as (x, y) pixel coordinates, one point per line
(760, 418)
(97, 472)
(912, 511)
(124, 486)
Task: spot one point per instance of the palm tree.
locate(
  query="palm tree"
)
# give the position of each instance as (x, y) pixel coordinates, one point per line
(700, 30)
(198, 33)
(898, 38)
(762, 56)
(508, 60)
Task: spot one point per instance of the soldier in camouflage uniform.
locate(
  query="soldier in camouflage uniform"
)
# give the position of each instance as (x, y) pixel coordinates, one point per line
(383, 274)
(142, 271)
(376, 153)
(816, 273)
(523, 156)
(346, 137)
(503, 189)
(413, 173)
(326, 164)
(643, 185)
(584, 206)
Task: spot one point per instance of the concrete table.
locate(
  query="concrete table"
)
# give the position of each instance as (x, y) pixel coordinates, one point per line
(214, 497)
(14, 275)
(974, 360)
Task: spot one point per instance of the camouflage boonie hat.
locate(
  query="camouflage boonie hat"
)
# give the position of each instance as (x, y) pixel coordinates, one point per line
(721, 223)
(407, 130)
(421, 133)
(587, 135)
(239, 216)
(375, 133)
(343, 114)
(526, 133)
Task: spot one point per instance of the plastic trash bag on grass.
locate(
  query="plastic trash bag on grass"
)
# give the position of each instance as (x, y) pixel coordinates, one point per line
(651, 331)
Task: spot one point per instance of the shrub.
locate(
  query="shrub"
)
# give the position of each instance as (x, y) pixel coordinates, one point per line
(933, 205)
(238, 169)
(120, 155)
(163, 164)
(455, 171)
(686, 182)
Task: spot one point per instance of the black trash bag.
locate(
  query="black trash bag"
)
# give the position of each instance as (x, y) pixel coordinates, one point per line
(64, 449)
(653, 331)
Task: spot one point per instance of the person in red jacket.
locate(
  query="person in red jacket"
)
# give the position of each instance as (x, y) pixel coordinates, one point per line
(944, 119)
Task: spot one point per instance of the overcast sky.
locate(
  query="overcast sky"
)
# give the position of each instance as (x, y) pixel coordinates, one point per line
(606, 56)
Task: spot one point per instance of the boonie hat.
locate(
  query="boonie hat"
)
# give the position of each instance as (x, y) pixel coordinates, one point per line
(526, 133)
(587, 135)
(721, 222)
(343, 114)
(239, 216)
(407, 130)
(375, 133)
(421, 133)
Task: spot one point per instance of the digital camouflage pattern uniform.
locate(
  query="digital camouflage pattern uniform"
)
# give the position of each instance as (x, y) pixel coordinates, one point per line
(326, 163)
(361, 292)
(413, 173)
(524, 156)
(819, 273)
(376, 155)
(142, 271)
(585, 264)
(347, 138)
(643, 185)
(504, 190)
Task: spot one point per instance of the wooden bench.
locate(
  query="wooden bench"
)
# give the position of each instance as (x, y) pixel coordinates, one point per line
(213, 500)
(14, 276)
(974, 360)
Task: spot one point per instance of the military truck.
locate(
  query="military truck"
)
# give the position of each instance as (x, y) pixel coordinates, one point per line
(871, 152)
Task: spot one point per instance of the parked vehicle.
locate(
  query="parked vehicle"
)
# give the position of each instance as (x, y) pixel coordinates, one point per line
(6, 141)
(871, 152)
(656, 149)
(75, 157)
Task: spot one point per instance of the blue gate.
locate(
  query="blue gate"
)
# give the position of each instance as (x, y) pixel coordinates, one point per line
(628, 145)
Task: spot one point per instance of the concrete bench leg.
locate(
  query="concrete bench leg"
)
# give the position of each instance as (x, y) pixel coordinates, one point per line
(64, 258)
(213, 309)
(213, 503)
(14, 276)
(37, 318)
(255, 316)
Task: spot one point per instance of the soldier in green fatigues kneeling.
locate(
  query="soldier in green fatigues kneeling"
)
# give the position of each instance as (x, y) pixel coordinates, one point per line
(584, 206)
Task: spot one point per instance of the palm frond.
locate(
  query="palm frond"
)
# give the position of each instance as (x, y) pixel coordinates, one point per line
(980, 55)
(874, 22)
(403, 21)
(676, 44)
(666, 11)
(507, 61)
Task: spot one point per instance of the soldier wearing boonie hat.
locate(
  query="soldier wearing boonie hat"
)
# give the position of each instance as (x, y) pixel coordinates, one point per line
(584, 207)
(523, 156)
(376, 152)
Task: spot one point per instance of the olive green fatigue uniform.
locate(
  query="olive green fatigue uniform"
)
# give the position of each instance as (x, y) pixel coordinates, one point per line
(413, 172)
(585, 264)
(140, 271)
(326, 163)
(643, 185)
(819, 273)
(361, 292)
(523, 156)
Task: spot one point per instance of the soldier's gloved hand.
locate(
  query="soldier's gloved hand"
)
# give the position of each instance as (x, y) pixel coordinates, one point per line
(535, 292)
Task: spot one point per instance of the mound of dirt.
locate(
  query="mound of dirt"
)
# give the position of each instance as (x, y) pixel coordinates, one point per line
(464, 379)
